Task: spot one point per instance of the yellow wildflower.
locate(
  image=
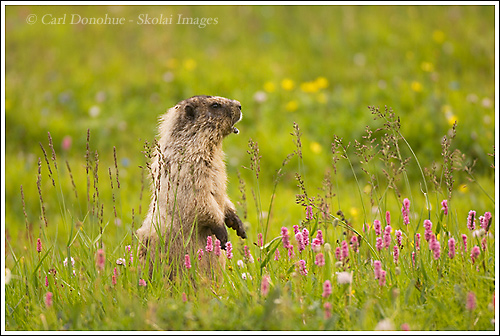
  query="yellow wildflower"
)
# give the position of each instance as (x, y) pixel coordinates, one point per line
(269, 87)
(427, 66)
(321, 82)
(438, 36)
(287, 84)
(309, 87)
(190, 64)
(292, 106)
(463, 188)
(416, 86)
(316, 147)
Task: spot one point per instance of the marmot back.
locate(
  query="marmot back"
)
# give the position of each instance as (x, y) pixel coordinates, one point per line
(189, 200)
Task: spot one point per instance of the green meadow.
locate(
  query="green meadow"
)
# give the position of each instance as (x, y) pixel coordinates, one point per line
(353, 117)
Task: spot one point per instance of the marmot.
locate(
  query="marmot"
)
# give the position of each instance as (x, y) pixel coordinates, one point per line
(189, 200)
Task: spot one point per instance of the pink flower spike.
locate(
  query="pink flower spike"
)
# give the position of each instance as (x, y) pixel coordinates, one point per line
(300, 241)
(327, 288)
(309, 212)
(451, 248)
(39, 245)
(187, 261)
(217, 250)
(436, 248)
(291, 253)
(377, 227)
(417, 241)
(284, 237)
(379, 243)
(100, 259)
(260, 242)
(305, 236)
(337, 253)
(444, 205)
(46, 281)
(471, 220)
(210, 247)
(474, 254)
(320, 259)
(388, 218)
(328, 310)
(396, 254)
(276, 255)
(142, 283)
(319, 236)
(113, 280)
(296, 229)
(229, 250)
(377, 268)
(387, 236)
(354, 243)
(302, 267)
(48, 299)
(382, 278)
(200, 254)
(264, 286)
(471, 301)
(344, 251)
(464, 240)
(399, 237)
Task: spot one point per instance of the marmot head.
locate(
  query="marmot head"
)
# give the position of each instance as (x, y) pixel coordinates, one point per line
(212, 113)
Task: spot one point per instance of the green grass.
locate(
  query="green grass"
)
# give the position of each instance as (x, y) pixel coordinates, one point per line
(318, 67)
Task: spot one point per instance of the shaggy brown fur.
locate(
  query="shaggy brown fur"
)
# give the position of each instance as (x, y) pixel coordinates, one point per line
(189, 200)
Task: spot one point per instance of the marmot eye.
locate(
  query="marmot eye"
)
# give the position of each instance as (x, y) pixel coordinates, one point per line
(215, 105)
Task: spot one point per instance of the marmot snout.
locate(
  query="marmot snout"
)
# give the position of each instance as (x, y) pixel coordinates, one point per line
(189, 200)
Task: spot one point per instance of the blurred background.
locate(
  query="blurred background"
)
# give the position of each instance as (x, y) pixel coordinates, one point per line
(318, 66)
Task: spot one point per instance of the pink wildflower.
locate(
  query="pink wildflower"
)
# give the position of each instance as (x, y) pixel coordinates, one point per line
(474, 254)
(247, 255)
(39, 245)
(471, 301)
(291, 253)
(100, 259)
(428, 229)
(229, 250)
(285, 238)
(276, 255)
(444, 205)
(396, 254)
(319, 235)
(344, 251)
(320, 259)
(379, 243)
(417, 241)
(483, 243)
(436, 248)
(187, 261)
(200, 254)
(184, 297)
(405, 327)
(354, 243)
(260, 242)
(217, 250)
(464, 240)
(471, 220)
(305, 236)
(142, 283)
(328, 310)
(451, 248)
(381, 280)
(377, 227)
(115, 271)
(387, 236)
(210, 246)
(309, 212)
(485, 221)
(406, 211)
(302, 267)
(337, 253)
(327, 289)
(388, 218)
(315, 245)
(413, 258)
(300, 241)
(296, 229)
(377, 267)
(113, 280)
(399, 237)
(46, 281)
(48, 299)
(264, 286)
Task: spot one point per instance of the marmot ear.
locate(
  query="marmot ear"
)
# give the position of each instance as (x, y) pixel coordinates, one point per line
(190, 112)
